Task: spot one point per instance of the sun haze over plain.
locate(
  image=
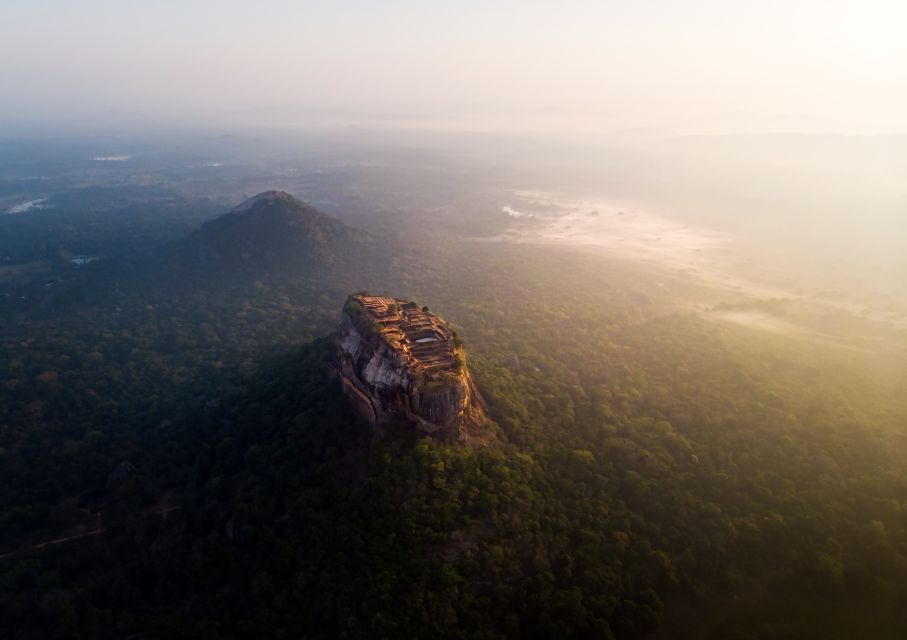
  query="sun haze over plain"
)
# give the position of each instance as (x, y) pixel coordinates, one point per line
(714, 67)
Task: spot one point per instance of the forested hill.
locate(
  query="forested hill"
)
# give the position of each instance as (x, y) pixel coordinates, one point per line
(269, 238)
(274, 229)
(658, 472)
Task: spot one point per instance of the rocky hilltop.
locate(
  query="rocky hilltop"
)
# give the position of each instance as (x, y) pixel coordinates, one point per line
(401, 363)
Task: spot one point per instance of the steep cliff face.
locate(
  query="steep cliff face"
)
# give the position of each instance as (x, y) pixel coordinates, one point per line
(400, 363)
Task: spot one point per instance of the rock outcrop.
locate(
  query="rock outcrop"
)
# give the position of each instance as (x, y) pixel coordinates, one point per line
(400, 363)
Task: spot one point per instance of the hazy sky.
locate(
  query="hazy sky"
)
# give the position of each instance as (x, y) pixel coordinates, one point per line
(816, 65)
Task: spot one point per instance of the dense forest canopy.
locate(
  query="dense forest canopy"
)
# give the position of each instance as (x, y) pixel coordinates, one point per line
(661, 472)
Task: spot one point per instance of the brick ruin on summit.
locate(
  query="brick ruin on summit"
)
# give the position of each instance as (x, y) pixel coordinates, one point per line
(421, 337)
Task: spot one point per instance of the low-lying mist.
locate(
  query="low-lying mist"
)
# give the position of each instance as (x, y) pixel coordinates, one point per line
(830, 210)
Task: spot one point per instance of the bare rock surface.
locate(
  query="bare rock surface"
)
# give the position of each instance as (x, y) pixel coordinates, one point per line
(400, 363)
